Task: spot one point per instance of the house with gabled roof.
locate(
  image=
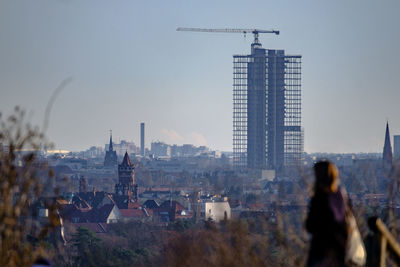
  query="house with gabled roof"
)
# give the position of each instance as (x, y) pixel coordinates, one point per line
(108, 213)
(138, 214)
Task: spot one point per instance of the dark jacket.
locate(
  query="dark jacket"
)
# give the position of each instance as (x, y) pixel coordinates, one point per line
(326, 222)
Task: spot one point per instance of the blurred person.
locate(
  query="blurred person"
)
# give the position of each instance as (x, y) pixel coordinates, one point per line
(326, 220)
(42, 262)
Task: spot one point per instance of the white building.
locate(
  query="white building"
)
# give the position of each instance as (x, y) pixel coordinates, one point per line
(160, 149)
(217, 211)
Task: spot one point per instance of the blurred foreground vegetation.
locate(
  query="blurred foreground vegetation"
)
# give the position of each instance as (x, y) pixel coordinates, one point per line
(22, 183)
(247, 242)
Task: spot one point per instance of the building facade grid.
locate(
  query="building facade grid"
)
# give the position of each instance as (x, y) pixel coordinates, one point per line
(267, 131)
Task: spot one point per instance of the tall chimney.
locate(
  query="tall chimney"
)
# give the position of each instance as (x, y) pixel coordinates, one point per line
(142, 148)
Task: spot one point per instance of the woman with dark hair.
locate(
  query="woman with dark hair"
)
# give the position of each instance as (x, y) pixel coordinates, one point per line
(326, 220)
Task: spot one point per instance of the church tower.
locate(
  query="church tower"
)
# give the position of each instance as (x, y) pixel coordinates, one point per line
(126, 179)
(110, 160)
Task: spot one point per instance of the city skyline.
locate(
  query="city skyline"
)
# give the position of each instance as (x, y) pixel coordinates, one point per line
(129, 65)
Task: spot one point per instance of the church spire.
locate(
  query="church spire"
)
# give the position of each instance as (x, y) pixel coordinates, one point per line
(126, 161)
(110, 147)
(111, 159)
(387, 148)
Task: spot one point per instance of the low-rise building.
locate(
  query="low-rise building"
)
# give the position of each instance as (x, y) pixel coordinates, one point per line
(217, 211)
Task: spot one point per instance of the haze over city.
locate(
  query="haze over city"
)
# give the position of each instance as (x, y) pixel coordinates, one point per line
(129, 65)
(199, 133)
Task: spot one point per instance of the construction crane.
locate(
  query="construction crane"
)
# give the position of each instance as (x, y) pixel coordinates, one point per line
(244, 31)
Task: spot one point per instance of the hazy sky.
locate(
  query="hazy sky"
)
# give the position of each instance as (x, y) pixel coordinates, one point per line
(129, 65)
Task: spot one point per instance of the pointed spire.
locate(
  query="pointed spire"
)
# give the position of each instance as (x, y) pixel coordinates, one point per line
(387, 148)
(110, 147)
(126, 161)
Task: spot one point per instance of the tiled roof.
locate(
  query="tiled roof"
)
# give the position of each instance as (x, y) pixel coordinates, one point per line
(172, 204)
(92, 198)
(132, 213)
(151, 204)
(121, 201)
(67, 210)
(104, 212)
(81, 203)
(134, 205)
(72, 213)
(76, 215)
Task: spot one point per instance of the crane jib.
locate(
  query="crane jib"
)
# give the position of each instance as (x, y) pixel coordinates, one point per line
(244, 31)
(227, 30)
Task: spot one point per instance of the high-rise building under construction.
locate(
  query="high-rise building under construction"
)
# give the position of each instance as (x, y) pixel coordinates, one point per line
(267, 131)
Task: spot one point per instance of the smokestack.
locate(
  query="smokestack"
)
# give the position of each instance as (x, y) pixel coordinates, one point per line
(142, 148)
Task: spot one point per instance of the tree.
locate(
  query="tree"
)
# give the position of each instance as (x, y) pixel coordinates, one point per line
(21, 236)
(88, 248)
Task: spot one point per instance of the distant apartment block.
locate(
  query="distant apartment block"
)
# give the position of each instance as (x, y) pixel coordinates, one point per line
(160, 149)
(94, 152)
(188, 150)
(125, 146)
(267, 131)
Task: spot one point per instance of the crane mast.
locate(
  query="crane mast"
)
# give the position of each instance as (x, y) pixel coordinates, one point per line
(255, 32)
